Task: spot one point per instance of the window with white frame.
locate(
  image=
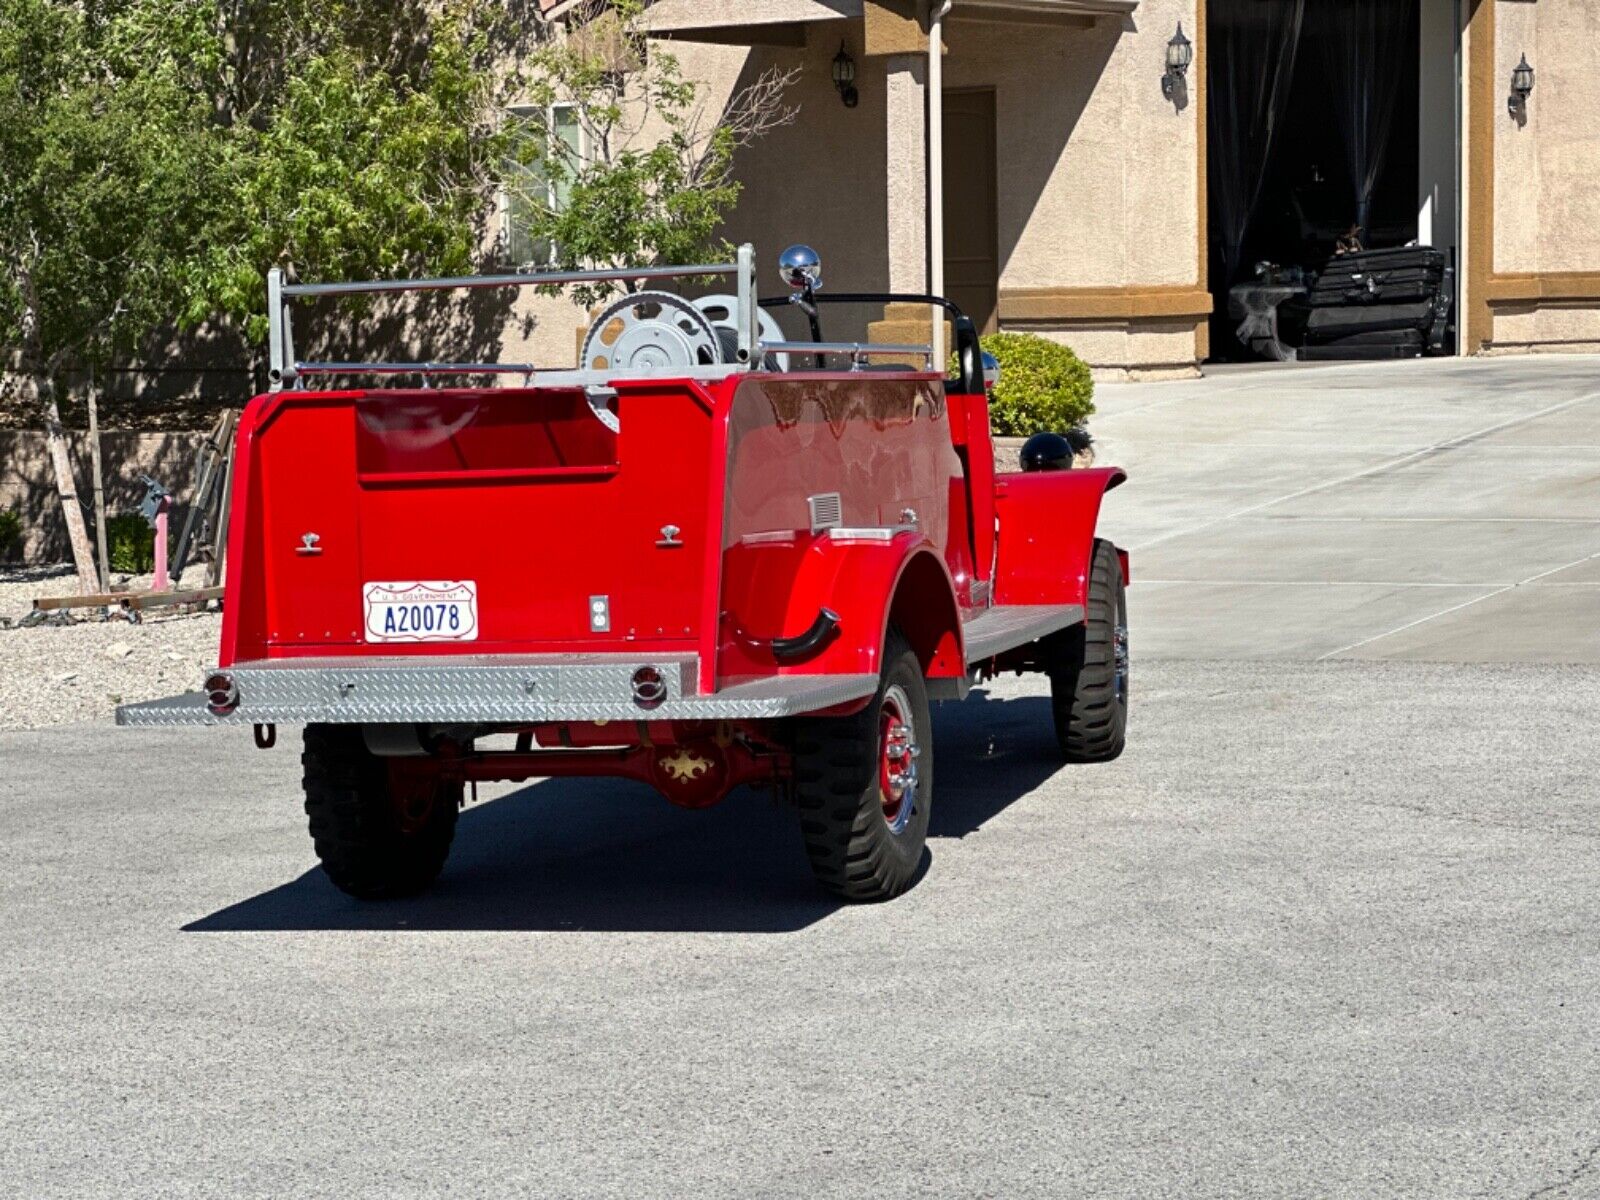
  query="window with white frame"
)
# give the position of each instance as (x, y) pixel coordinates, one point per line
(556, 132)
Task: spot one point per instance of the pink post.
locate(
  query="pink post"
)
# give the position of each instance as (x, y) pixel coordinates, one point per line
(162, 583)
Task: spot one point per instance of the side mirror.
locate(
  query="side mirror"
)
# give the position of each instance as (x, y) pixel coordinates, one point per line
(801, 268)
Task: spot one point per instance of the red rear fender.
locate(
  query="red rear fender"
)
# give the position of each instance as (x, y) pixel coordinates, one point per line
(924, 610)
(776, 590)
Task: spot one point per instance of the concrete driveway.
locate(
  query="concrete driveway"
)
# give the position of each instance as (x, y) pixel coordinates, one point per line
(1326, 929)
(1446, 511)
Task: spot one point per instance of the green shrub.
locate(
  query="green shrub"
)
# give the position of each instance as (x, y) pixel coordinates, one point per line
(10, 533)
(131, 543)
(1044, 387)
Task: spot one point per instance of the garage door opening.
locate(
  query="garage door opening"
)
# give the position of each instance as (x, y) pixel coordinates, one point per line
(1329, 122)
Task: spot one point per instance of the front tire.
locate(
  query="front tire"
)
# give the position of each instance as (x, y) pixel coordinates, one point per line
(381, 828)
(1088, 667)
(864, 785)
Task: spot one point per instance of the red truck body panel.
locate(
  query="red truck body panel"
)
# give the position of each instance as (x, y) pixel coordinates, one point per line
(881, 444)
(526, 494)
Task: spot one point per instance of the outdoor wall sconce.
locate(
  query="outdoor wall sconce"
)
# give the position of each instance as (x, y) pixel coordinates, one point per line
(1521, 88)
(844, 77)
(1180, 53)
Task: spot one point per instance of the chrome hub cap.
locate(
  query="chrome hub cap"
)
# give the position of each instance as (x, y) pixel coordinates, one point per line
(1119, 650)
(897, 760)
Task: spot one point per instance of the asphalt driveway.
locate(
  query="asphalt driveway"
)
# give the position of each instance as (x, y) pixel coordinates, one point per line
(1328, 928)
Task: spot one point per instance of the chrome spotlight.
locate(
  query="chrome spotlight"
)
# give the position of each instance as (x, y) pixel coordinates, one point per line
(801, 268)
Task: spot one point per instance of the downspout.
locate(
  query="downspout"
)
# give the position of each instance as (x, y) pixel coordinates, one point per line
(935, 158)
(1459, 258)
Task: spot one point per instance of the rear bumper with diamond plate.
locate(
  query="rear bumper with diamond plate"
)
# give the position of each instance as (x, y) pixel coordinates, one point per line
(480, 690)
(538, 688)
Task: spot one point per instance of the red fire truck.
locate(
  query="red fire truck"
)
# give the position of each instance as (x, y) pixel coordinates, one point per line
(709, 556)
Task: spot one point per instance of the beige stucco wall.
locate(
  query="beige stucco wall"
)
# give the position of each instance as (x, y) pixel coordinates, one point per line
(1097, 170)
(1097, 175)
(710, 14)
(822, 180)
(28, 486)
(1127, 349)
(545, 332)
(1547, 172)
(1546, 328)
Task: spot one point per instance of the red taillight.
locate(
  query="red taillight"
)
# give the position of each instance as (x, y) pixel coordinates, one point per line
(222, 694)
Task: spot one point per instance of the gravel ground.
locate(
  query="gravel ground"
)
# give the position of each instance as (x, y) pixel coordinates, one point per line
(59, 674)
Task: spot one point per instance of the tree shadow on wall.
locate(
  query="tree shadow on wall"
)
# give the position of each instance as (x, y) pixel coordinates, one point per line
(454, 326)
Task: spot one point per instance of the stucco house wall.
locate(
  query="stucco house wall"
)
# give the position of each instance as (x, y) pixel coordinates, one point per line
(1547, 173)
(1098, 179)
(1100, 209)
(1101, 179)
(1532, 205)
(1100, 198)
(1101, 188)
(820, 180)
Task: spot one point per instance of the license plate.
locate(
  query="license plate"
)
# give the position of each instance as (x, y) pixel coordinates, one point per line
(421, 612)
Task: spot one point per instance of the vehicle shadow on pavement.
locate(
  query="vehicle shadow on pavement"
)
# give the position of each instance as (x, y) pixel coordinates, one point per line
(609, 855)
(991, 753)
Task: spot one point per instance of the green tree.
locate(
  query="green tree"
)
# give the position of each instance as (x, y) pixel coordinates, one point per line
(157, 156)
(101, 183)
(362, 141)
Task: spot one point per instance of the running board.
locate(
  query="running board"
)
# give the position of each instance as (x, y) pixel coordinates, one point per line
(1007, 626)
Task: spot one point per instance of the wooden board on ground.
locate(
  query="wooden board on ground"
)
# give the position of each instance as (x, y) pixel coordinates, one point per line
(143, 600)
(135, 600)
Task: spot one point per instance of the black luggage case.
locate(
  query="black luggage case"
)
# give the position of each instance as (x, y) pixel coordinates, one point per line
(1382, 337)
(1398, 258)
(1334, 324)
(1395, 276)
(1393, 343)
(1377, 287)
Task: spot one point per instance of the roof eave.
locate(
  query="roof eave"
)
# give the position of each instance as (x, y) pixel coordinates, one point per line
(1000, 9)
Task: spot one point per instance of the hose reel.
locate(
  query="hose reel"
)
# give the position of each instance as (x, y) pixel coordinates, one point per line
(650, 332)
(657, 331)
(724, 314)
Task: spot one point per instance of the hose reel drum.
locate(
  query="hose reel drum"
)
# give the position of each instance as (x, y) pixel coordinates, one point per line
(658, 331)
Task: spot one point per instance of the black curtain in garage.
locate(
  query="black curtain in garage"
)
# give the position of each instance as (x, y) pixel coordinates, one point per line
(1365, 44)
(1250, 66)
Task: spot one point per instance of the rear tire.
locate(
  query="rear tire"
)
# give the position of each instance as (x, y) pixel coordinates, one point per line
(1088, 667)
(864, 785)
(380, 831)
